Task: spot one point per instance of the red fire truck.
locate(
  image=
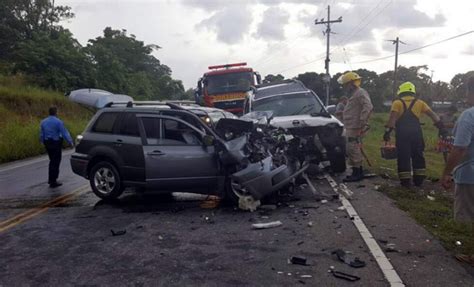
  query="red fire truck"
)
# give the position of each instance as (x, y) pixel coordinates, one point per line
(226, 86)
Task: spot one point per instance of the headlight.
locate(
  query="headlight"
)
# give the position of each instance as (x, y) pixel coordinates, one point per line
(78, 139)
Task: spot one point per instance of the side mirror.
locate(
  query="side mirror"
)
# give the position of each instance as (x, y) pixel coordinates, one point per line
(208, 140)
(199, 87)
(259, 78)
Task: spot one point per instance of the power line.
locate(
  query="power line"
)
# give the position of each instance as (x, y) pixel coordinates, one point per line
(416, 49)
(300, 65)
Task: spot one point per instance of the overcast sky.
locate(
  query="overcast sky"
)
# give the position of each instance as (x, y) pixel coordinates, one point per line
(279, 36)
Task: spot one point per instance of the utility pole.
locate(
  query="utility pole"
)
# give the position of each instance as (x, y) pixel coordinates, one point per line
(328, 23)
(395, 70)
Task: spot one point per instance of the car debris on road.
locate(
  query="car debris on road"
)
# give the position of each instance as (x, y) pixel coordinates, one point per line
(267, 225)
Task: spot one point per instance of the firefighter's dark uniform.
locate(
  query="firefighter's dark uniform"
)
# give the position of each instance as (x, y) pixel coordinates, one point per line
(409, 139)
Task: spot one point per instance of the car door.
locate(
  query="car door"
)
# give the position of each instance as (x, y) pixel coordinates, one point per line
(175, 157)
(128, 144)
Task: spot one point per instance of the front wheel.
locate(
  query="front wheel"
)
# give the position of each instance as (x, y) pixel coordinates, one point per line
(338, 162)
(105, 181)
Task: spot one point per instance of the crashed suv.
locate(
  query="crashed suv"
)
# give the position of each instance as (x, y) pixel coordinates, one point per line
(168, 148)
(299, 110)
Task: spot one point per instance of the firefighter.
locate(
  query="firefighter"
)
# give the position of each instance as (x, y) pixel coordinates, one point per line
(405, 119)
(355, 118)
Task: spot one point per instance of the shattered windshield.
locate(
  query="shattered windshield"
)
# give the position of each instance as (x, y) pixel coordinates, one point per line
(289, 105)
(235, 82)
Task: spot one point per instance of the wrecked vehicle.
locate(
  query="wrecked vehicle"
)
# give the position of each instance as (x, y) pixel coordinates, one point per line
(168, 148)
(299, 110)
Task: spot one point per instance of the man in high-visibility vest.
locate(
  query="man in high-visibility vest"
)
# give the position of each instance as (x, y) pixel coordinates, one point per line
(355, 118)
(405, 119)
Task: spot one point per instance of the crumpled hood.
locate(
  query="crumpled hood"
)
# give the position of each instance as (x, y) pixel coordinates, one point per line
(290, 122)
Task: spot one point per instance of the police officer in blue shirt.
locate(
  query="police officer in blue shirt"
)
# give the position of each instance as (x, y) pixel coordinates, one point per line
(52, 134)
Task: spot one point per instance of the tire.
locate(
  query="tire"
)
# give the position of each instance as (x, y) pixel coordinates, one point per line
(105, 181)
(232, 196)
(338, 162)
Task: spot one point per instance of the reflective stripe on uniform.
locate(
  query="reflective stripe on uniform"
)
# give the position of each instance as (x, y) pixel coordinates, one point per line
(419, 171)
(404, 174)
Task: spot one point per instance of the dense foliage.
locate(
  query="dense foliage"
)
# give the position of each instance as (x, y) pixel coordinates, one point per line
(34, 44)
(380, 86)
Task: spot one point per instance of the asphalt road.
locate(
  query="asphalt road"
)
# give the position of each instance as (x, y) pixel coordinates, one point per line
(172, 241)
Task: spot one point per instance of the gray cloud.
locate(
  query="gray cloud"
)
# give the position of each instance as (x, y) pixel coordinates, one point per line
(272, 25)
(357, 26)
(229, 24)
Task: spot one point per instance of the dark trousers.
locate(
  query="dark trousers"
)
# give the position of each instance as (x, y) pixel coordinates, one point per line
(410, 148)
(54, 149)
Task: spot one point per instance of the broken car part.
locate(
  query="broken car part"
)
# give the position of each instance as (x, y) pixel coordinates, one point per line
(343, 256)
(267, 225)
(345, 276)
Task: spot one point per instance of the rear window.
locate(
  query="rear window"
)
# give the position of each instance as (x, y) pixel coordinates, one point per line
(129, 125)
(105, 123)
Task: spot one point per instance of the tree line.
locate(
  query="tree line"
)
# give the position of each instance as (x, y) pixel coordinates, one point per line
(35, 46)
(380, 86)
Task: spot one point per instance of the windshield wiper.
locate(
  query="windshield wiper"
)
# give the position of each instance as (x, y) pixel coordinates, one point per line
(302, 109)
(322, 112)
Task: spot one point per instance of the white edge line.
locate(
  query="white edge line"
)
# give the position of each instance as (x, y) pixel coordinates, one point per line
(23, 163)
(382, 261)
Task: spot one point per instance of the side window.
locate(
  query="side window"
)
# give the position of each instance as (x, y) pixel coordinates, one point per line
(177, 133)
(105, 123)
(129, 125)
(152, 130)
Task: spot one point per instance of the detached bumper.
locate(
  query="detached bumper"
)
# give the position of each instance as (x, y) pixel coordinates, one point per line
(260, 180)
(79, 164)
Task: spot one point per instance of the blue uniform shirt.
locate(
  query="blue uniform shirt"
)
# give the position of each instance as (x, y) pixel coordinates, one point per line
(464, 137)
(53, 128)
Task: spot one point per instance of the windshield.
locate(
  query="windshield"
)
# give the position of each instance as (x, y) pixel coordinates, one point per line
(289, 105)
(235, 82)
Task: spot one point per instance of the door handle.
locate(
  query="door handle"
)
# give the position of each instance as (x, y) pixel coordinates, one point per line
(156, 152)
(118, 142)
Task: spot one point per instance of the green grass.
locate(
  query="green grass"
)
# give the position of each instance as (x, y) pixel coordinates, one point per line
(436, 216)
(22, 108)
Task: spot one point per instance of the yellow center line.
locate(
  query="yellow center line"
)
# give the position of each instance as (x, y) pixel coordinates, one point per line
(24, 216)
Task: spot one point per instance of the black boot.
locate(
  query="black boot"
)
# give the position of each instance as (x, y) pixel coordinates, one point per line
(406, 182)
(357, 175)
(418, 180)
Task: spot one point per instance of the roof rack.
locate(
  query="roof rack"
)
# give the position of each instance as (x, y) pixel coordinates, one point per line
(172, 104)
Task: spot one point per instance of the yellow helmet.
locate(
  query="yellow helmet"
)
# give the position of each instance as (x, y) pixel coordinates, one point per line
(406, 87)
(348, 77)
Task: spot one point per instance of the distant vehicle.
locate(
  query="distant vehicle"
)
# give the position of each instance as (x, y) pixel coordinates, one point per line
(95, 98)
(299, 110)
(226, 86)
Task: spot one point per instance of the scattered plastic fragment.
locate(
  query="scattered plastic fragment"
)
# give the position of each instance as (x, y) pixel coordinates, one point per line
(306, 276)
(267, 225)
(118, 232)
(458, 243)
(248, 203)
(310, 224)
(297, 260)
(324, 201)
(345, 276)
(343, 256)
(377, 187)
(160, 237)
(430, 197)
(341, 208)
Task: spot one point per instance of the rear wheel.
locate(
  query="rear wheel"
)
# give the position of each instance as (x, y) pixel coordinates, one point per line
(105, 181)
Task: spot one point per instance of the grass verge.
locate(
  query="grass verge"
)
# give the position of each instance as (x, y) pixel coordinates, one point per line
(22, 108)
(436, 215)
